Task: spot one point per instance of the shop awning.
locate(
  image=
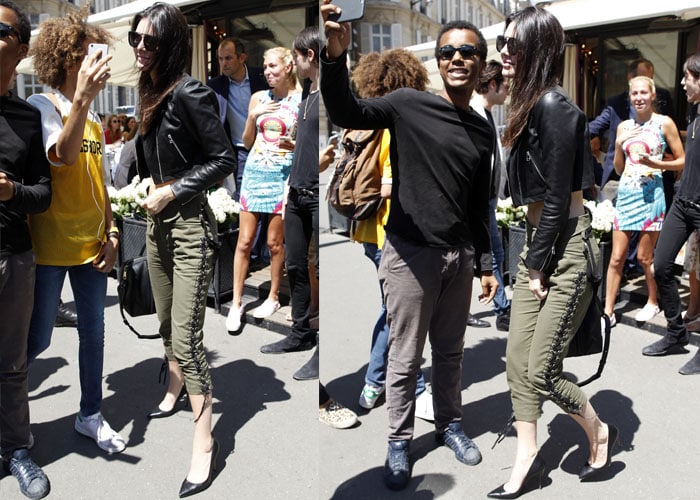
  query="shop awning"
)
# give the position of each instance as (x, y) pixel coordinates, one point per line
(580, 14)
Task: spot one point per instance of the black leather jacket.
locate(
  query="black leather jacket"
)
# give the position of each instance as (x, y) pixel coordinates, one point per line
(550, 160)
(186, 142)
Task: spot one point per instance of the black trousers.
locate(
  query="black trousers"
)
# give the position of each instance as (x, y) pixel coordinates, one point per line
(300, 225)
(680, 222)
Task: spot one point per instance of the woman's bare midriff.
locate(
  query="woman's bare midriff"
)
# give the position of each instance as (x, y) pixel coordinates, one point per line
(534, 210)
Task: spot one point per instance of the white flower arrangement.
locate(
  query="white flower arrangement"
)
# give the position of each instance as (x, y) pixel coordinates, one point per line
(603, 214)
(225, 208)
(126, 202)
(508, 215)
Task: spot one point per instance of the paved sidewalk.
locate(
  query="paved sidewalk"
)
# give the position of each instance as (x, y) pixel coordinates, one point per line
(264, 420)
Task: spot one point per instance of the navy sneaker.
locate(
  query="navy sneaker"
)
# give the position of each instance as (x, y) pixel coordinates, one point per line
(396, 469)
(33, 483)
(455, 439)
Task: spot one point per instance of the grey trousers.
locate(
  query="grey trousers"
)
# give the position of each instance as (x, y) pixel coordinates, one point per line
(180, 265)
(540, 332)
(16, 302)
(427, 292)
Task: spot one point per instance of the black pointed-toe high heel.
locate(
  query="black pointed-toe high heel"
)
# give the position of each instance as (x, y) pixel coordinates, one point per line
(589, 471)
(188, 489)
(180, 404)
(536, 471)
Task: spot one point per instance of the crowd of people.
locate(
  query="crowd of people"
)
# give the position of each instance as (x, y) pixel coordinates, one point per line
(56, 217)
(551, 170)
(443, 166)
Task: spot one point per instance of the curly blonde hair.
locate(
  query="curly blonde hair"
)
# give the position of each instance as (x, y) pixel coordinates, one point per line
(378, 74)
(284, 55)
(61, 44)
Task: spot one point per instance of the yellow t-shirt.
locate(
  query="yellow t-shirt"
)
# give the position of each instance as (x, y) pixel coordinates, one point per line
(372, 230)
(72, 230)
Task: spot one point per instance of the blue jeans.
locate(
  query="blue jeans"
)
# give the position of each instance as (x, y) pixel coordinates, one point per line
(89, 290)
(501, 303)
(376, 369)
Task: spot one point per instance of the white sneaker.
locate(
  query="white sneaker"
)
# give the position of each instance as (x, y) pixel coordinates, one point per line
(424, 406)
(369, 396)
(97, 428)
(613, 321)
(266, 309)
(647, 312)
(233, 320)
(337, 416)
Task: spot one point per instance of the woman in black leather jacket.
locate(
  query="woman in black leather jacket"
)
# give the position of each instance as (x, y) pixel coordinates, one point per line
(183, 148)
(548, 167)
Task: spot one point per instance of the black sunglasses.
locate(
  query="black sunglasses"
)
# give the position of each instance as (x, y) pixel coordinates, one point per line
(447, 52)
(512, 43)
(6, 30)
(150, 42)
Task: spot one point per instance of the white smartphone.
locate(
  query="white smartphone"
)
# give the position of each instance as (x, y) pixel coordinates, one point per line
(334, 138)
(94, 47)
(352, 10)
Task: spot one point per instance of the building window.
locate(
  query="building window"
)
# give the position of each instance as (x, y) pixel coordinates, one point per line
(378, 37)
(31, 86)
(381, 37)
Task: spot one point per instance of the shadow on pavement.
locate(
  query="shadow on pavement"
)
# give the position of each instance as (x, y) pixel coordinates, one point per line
(241, 390)
(370, 486)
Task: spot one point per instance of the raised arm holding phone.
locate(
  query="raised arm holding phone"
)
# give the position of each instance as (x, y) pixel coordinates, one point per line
(441, 159)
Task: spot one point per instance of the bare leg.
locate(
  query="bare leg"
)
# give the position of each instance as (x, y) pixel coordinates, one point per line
(645, 256)
(524, 455)
(202, 445)
(621, 241)
(175, 384)
(275, 241)
(597, 434)
(246, 235)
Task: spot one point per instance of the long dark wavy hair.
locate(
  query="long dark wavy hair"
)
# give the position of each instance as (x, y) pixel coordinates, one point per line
(170, 59)
(539, 65)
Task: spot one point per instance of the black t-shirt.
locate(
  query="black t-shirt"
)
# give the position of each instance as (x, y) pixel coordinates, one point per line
(689, 189)
(440, 161)
(304, 173)
(23, 160)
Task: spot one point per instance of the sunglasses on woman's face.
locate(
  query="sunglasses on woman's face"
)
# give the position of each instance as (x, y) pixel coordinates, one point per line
(512, 43)
(149, 42)
(6, 30)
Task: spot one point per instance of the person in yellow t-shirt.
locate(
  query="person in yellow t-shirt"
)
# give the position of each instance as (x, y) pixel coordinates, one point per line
(376, 75)
(76, 235)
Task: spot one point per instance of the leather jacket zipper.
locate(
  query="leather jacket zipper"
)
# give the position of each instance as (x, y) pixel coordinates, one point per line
(160, 168)
(172, 141)
(528, 157)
